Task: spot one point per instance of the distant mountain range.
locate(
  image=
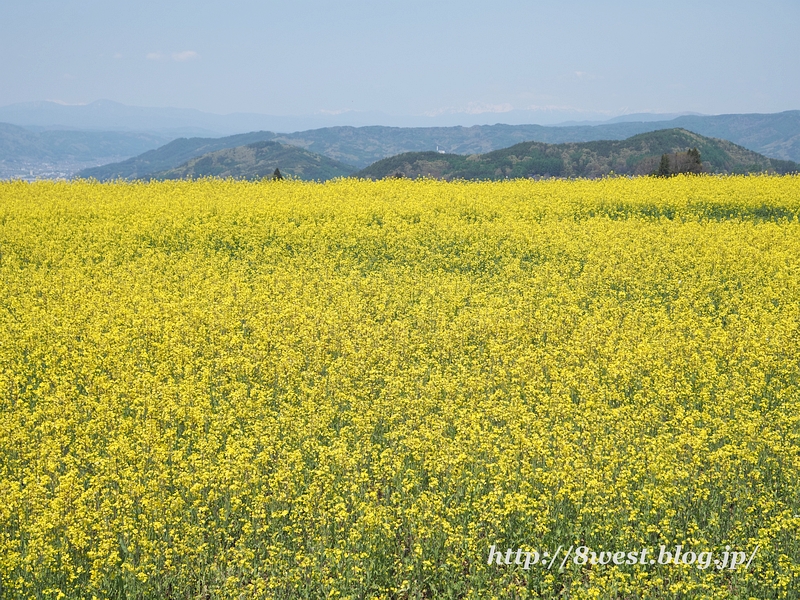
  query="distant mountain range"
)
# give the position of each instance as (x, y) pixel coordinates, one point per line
(22, 144)
(57, 151)
(24, 152)
(113, 116)
(776, 136)
(638, 155)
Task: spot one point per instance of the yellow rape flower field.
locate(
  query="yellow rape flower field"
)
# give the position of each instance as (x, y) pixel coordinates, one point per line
(221, 389)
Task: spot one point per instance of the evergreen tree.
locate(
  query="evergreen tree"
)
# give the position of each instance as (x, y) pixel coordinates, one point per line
(695, 160)
(277, 175)
(663, 167)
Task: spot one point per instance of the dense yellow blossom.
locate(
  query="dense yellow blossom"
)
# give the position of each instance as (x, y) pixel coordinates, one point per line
(352, 389)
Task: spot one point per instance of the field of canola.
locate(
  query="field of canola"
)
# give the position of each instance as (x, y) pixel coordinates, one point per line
(221, 389)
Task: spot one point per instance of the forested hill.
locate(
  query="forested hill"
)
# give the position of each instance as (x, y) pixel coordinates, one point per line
(259, 160)
(637, 155)
(169, 156)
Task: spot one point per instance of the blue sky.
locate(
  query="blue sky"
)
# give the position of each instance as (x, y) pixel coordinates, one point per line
(586, 59)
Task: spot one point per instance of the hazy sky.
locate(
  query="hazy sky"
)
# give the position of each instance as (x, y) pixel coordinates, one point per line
(405, 58)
